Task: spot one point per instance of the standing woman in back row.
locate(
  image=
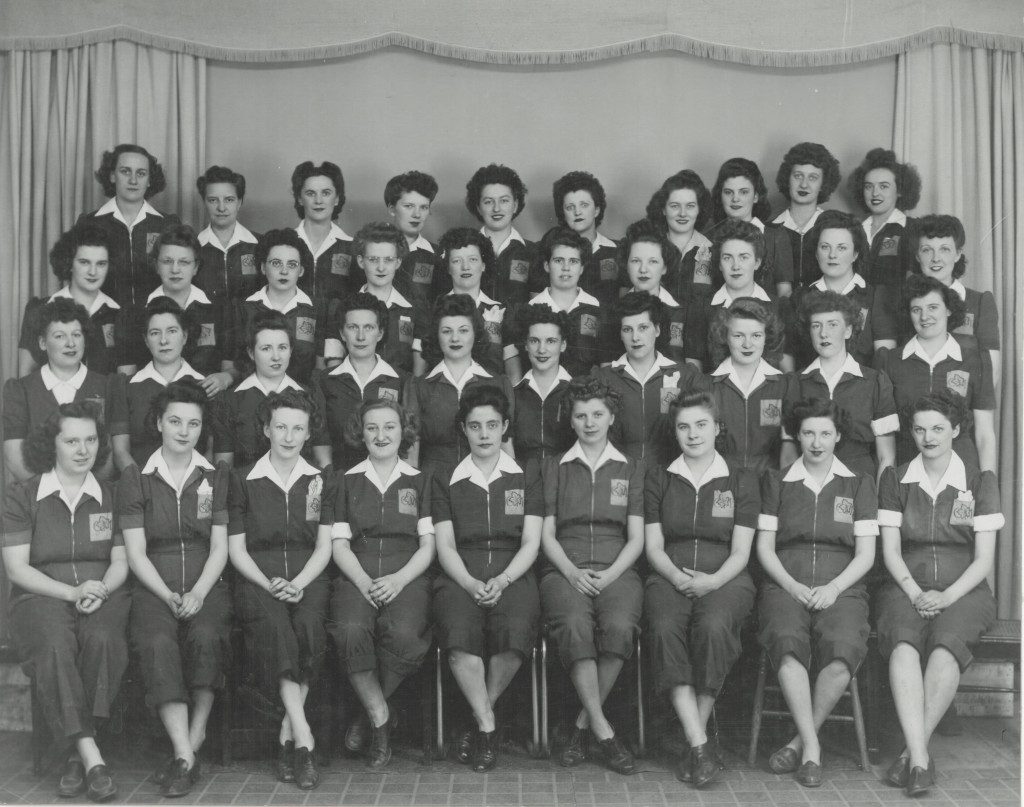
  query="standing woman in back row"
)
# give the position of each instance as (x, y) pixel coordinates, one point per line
(318, 192)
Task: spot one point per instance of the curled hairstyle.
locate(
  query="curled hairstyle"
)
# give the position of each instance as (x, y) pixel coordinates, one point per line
(736, 230)
(943, 226)
(746, 308)
(589, 388)
(308, 169)
(483, 395)
(177, 235)
(184, 390)
(918, 286)
(494, 174)
(108, 164)
(286, 237)
(810, 154)
(794, 414)
(637, 302)
(908, 181)
(462, 237)
(825, 302)
(455, 305)
(63, 310)
(644, 231)
(683, 180)
(267, 321)
(407, 421)
(219, 173)
(563, 237)
(838, 220)
(741, 167)
(165, 305)
(578, 181)
(666, 429)
(290, 399)
(380, 232)
(364, 301)
(530, 315)
(947, 404)
(409, 182)
(39, 450)
(64, 250)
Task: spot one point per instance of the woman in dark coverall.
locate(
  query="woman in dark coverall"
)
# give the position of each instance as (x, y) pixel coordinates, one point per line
(700, 518)
(816, 541)
(383, 542)
(174, 514)
(68, 607)
(488, 518)
(279, 541)
(939, 516)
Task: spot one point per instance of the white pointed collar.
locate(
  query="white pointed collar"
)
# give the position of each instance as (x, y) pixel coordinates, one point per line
(610, 454)
(240, 235)
(529, 379)
(717, 470)
(601, 241)
(855, 282)
(663, 295)
(582, 298)
(481, 298)
(851, 366)
(959, 288)
(660, 363)
(467, 469)
(261, 297)
(950, 350)
(798, 473)
(156, 464)
(111, 208)
(785, 218)
(101, 300)
(253, 382)
(512, 236)
(724, 299)
(333, 235)
(366, 468)
(394, 298)
(955, 475)
(421, 243)
(50, 484)
(264, 469)
(195, 295)
(896, 216)
(381, 368)
(763, 371)
(150, 373)
(50, 379)
(475, 370)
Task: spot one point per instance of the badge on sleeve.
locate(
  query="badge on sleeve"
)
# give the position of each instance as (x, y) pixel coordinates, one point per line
(151, 241)
(702, 266)
(108, 334)
(248, 264)
(305, 328)
(842, 510)
(101, 526)
(204, 500)
(407, 502)
(962, 514)
(340, 264)
(314, 496)
(515, 502)
(771, 412)
(207, 335)
(493, 317)
(890, 246)
(620, 492)
(588, 325)
(723, 505)
(387, 393)
(958, 381)
(518, 271)
(423, 273)
(675, 334)
(405, 329)
(609, 269)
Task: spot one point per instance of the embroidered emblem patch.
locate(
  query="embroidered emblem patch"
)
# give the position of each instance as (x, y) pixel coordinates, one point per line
(958, 381)
(340, 264)
(771, 412)
(407, 502)
(207, 335)
(387, 394)
(890, 246)
(609, 269)
(314, 496)
(675, 334)
(515, 502)
(305, 328)
(423, 273)
(619, 492)
(842, 510)
(108, 334)
(248, 264)
(101, 526)
(962, 514)
(204, 500)
(702, 266)
(723, 505)
(405, 329)
(518, 271)
(588, 325)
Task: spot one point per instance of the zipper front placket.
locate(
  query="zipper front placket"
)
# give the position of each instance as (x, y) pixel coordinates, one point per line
(181, 540)
(380, 540)
(71, 525)
(814, 544)
(488, 494)
(696, 540)
(287, 529)
(593, 493)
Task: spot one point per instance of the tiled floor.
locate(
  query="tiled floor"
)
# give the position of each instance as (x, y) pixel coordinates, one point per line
(981, 768)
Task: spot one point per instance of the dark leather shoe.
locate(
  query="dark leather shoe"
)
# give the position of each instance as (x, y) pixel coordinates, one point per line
(485, 751)
(682, 768)
(897, 773)
(180, 778)
(615, 756)
(379, 753)
(72, 781)
(159, 776)
(704, 765)
(306, 775)
(100, 785)
(463, 746)
(286, 762)
(572, 753)
(357, 733)
(809, 774)
(785, 760)
(920, 780)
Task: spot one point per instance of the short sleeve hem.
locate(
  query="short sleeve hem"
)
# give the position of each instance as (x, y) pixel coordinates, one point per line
(341, 531)
(890, 518)
(867, 526)
(886, 425)
(425, 526)
(992, 521)
(767, 522)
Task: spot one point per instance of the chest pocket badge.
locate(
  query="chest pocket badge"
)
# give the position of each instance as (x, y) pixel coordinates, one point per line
(407, 502)
(340, 264)
(519, 271)
(108, 334)
(675, 334)
(305, 328)
(669, 391)
(842, 510)
(493, 317)
(515, 502)
(620, 492)
(723, 505)
(387, 394)
(101, 526)
(405, 329)
(890, 246)
(702, 266)
(771, 412)
(151, 241)
(958, 381)
(248, 263)
(207, 335)
(962, 514)
(609, 269)
(204, 500)
(423, 273)
(314, 498)
(588, 325)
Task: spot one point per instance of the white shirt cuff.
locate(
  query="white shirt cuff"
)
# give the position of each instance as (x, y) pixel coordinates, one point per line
(890, 518)
(341, 531)
(867, 526)
(425, 526)
(886, 425)
(417, 345)
(333, 349)
(992, 521)
(766, 522)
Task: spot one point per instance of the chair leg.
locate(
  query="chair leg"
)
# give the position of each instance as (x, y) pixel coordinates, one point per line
(426, 716)
(40, 738)
(755, 718)
(544, 740)
(535, 749)
(641, 733)
(873, 725)
(439, 699)
(858, 724)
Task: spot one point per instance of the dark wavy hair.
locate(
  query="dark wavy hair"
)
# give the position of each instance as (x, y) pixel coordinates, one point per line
(407, 420)
(176, 235)
(666, 428)
(736, 230)
(483, 395)
(563, 237)
(795, 413)
(286, 237)
(455, 305)
(838, 220)
(409, 182)
(578, 181)
(637, 302)
(589, 388)
(947, 404)
(494, 174)
(65, 248)
(364, 301)
(290, 399)
(308, 169)
(530, 315)
(746, 308)
(943, 226)
(380, 232)
(908, 181)
(810, 154)
(220, 173)
(63, 310)
(462, 237)
(108, 164)
(268, 321)
(741, 167)
(680, 181)
(644, 231)
(39, 450)
(184, 390)
(165, 305)
(825, 302)
(917, 286)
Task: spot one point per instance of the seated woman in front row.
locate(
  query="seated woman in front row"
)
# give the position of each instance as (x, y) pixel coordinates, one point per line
(488, 517)
(700, 517)
(816, 541)
(939, 517)
(591, 593)
(383, 542)
(69, 609)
